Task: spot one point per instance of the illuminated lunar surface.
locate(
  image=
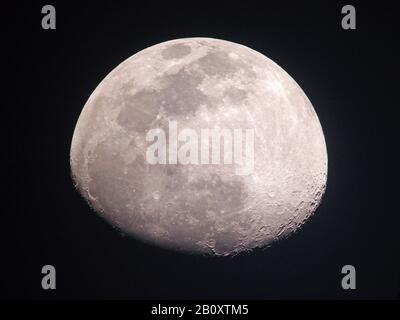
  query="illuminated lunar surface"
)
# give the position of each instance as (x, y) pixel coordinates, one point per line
(209, 209)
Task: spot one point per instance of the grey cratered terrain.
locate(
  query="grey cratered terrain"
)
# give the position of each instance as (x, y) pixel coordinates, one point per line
(200, 83)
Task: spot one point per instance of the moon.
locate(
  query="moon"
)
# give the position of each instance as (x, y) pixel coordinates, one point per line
(200, 208)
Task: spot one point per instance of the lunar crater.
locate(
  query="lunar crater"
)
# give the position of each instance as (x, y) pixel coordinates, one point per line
(176, 51)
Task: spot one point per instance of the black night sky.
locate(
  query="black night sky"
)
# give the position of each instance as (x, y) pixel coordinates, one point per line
(349, 76)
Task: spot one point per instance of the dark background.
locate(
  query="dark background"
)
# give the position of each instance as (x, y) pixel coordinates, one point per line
(350, 77)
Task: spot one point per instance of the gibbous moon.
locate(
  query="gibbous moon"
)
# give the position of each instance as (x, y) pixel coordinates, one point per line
(173, 93)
